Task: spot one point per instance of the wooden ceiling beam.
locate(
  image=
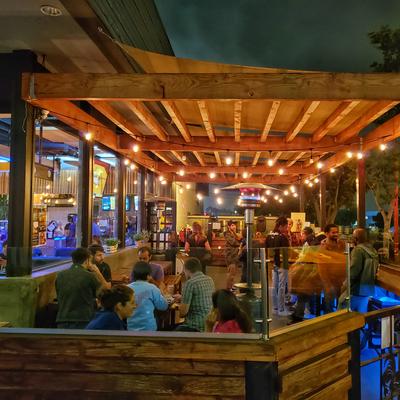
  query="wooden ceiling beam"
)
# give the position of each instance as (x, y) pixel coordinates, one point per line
(146, 116)
(237, 119)
(168, 162)
(222, 179)
(270, 120)
(177, 119)
(217, 158)
(200, 158)
(218, 86)
(298, 157)
(341, 111)
(275, 158)
(301, 119)
(257, 169)
(179, 157)
(205, 116)
(256, 157)
(237, 159)
(371, 115)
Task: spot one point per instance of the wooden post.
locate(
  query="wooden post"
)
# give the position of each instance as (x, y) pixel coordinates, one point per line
(21, 170)
(361, 193)
(122, 176)
(142, 205)
(396, 221)
(322, 199)
(86, 192)
(301, 197)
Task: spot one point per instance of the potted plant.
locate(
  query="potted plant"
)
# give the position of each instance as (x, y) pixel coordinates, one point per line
(110, 245)
(142, 238)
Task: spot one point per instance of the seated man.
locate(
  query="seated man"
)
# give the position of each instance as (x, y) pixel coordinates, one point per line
(97, 253)
(196, 299)
(147, 297)
(157, 272)
(76, 289)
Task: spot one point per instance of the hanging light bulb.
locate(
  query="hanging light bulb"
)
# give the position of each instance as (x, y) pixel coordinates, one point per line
(292, 189)
(219, 200)
(245, 175)
(183, 158)
(332, 170)
(212, 175)
(281, 171)
(295, 194)
(228, 160)
(163, 182)
(286, 193)
(349, 154)
(199, 196)
(267, 192)
(310, 184)
(216, 191)
(382, 146)
(132, 167)
(181, 172)
(280, 200)
(320, 165)
(316, 180)
(360, 155)
(115, 190)
(270, 162)
(135, 148)
(188, 186)
(180, 190)
(69, 179)
(306, 181)
(161, 178)
(126, 161)
(88, 136)
(311, 158)
(135, 182)
(239, 202)
(276, 197)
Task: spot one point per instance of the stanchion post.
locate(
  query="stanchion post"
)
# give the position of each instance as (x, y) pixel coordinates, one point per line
(264, 294)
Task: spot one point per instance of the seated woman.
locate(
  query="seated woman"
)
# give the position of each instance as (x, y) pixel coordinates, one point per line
(197, 245)
(148, 298)
(117, 304)
(227, 315)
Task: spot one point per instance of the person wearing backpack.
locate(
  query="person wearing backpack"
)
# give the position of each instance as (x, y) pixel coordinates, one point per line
(363, 268)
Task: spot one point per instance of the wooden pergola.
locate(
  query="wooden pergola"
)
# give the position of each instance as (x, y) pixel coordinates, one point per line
(193, 116)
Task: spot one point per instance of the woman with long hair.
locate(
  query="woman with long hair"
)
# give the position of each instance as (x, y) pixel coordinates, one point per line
(197, 245)
(117, 304)
(227, 315)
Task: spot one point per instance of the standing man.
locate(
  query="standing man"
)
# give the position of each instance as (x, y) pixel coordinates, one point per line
(278, 242)
(332, 241)
(363, 268)
(157, 272)
(76, 290)
(196, 299)
(232, 244)
(97, 253)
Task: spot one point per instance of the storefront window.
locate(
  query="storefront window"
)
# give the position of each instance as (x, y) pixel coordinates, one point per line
(131, 204)
(56, 225)
(105, 192)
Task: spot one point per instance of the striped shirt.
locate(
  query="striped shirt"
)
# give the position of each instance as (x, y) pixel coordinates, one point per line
(197, 294)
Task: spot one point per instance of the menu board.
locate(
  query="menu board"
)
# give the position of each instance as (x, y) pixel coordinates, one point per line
(39, 229)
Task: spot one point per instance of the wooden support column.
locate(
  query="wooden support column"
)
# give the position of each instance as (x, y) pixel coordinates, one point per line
(301, 197)
(322, 199)
(122, 176)
(21, 170)
(86, 193)
(142, 205)
(396, 221)
(361, 193)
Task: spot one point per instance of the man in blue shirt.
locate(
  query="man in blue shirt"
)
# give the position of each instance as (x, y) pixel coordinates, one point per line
(147, 297)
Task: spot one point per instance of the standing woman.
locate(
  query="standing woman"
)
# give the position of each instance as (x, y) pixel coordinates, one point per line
(232, 244)
(197, 245)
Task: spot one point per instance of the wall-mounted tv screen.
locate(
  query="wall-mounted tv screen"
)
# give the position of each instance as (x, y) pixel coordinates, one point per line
(108, 203)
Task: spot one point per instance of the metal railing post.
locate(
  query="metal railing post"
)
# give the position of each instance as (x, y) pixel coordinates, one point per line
(264, 294)
(348, 261)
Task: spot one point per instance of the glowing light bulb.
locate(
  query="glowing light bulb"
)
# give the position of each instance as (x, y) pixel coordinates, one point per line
(126, 161)
(219, 200)
(285, 192)
(199, 196)
(292, 189)
(135, 148)
(306, 181)
(268, 192)
(188, 186)
(228, 160)
(88, 136)
(161, 178)
(70, 200)
(276, 197)
(311, 184)
(135, 182)
(132, 167)
(295, 194)
(332, 170)
(183, 158)
(163, 182)
(216, 191)
(69, 179)
(181, 172)
(115, 190)
(239, 202)
(212, 175)
(349, 154)
(281, 171)
(360, 155)
(382, 146)
(47, 187)
(180, 190)
(320, 165)
(245, 175)
(270, 162)
(316, 180)
(280, 200)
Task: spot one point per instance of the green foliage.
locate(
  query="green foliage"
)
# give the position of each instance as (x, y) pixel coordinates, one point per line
(111, 242)
(387, 41)
(143, 235)
(3, 206)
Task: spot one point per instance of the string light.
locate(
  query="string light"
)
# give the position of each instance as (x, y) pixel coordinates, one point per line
(199, 196)
(270, 162)
(359, 155)
(219, 200)
(310, 184)
(126, 161)
(332, 170)
(286, 193)
(276, 197)
(245, 175)
(316, 180)
(267, 192)
(228, 160)
(295, 194)
(212, 175)
(183, 157)
(280, 200)
(349, 154)
(163, 182)
(115, 190)
(216, 191)
(161, 178)
(306, 181)
(188, 186)
(320, 165)
(181, 172)
(88, 136)
(382, 146)
(135, 148)
(132, 167)
(292, 189)
(281, 171)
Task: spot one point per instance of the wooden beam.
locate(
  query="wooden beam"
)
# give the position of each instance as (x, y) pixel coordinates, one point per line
(237, 118)
(384, 133)
(177, 118)
(200, 159)
(371, 115)
(268, 179)
(179, 157)
(301, 119)
(218, 158)
(275, 158)
(148, 119)
(246, 144)
(291, 162)
(118, 119)
(256, 157)
(237, 159)
(341, 111)
(270, 120)
(168, 162)
(218, 86)
(205, 116)
(256, 169)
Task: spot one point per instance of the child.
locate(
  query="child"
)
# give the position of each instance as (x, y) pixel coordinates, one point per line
(117, 304)
(227, 315)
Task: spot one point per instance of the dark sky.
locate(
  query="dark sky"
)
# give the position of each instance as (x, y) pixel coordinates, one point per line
(329, 35)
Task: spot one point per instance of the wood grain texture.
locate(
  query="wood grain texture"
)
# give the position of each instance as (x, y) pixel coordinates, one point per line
(270, 120)
(178, 120)
(205, 116)
(237, 118)
(301, 119)
(231, 86)
(335, 391)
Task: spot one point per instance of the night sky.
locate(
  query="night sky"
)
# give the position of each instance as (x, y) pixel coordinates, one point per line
(327, 35)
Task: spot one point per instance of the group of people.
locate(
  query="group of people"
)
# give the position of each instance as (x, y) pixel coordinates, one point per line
(88, 300)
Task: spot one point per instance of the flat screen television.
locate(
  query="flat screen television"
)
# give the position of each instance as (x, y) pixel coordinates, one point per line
(108, 203)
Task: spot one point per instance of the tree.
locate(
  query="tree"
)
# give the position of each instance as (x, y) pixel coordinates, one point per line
(340, 192)
(382, 175)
